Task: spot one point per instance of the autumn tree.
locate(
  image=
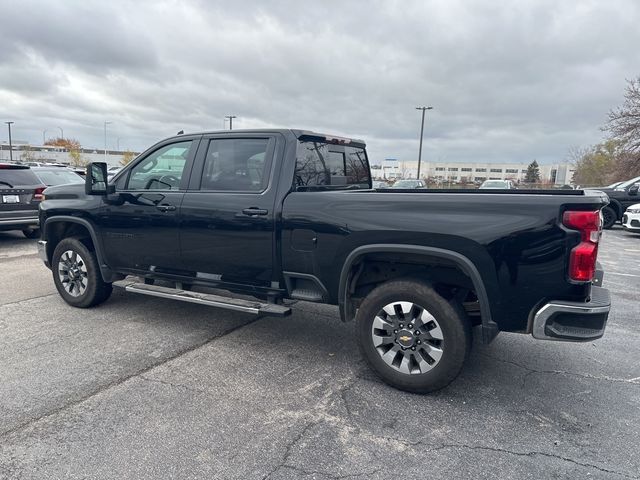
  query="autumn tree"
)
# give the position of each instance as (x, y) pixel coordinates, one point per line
(66, 143)
(604, 163)
(533, 173)
(127, 156)
(624, 121)
(76, 158)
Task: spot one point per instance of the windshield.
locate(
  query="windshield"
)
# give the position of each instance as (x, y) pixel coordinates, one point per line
(406, 184)
(58, 176)
(494, 184)
(624, 185)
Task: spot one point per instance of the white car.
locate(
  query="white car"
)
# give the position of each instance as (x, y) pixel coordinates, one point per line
(631, 218)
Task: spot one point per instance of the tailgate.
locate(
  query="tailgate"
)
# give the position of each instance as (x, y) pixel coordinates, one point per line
(17, 200)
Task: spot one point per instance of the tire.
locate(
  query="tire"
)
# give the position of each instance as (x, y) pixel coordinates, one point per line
(76, 274)
(441, 325)
(609, 217)
(31, 232)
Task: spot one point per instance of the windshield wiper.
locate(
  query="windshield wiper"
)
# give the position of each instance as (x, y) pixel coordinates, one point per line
(6, 183)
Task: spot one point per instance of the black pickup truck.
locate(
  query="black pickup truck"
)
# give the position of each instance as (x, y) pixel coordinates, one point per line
(271, 216)
(620, 197)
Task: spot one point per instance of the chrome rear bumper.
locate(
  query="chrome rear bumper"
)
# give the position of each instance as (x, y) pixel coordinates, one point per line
(573, 321)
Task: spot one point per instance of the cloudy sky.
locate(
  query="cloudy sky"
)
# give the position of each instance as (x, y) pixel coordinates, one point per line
(509, 81)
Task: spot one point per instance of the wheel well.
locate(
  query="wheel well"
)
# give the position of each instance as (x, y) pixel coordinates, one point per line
(616, 207)
(58, 231)
(446, 277)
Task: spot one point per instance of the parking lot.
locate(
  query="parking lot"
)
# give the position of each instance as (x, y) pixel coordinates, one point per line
(142, 387)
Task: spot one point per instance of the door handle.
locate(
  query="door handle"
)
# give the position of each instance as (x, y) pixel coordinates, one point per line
(166, 208)
(254, 211)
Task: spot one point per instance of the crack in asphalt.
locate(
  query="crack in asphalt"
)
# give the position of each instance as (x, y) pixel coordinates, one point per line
(287, 452)
(28, 299)
(171, 384)
(328, 475)
(122, 380)
(531, 454)
(531, 371)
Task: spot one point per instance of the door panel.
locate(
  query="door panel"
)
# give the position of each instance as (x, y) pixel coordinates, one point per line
(227, 219)
(140, 222)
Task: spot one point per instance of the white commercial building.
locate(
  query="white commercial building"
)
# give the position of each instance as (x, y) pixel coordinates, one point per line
(34, 153)
(462, 172)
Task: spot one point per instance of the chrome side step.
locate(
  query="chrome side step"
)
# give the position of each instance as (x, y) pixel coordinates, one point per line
(236, 304)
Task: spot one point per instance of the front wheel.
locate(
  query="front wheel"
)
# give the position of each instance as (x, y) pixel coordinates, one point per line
(412, 337)
(76, 274)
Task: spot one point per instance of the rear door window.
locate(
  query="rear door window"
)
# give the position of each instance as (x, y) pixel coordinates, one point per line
(236, 165)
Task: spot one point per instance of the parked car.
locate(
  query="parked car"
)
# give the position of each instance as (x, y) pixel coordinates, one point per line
(56, 175)
(379, 184)
(631, 218)
(290, 215)
(78, 171)
(497, 184)
(620, 197)
(111, 171)
(20, 194)
(408, 184)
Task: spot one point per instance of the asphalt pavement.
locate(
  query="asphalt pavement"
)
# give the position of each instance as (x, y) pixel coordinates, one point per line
(141, 387)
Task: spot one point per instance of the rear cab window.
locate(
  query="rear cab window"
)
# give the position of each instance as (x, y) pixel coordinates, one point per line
(325, 165)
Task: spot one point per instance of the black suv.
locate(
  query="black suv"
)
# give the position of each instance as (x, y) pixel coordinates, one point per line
(20, 195)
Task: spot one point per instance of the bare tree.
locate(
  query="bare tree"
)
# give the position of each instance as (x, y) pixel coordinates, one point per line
(624, 121)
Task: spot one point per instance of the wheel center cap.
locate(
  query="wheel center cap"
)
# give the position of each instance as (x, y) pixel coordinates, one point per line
(405, 338)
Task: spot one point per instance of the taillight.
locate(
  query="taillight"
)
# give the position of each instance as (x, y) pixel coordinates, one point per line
(37, 193)
(582, 260)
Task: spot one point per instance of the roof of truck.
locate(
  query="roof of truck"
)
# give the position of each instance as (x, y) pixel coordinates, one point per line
(298, 133)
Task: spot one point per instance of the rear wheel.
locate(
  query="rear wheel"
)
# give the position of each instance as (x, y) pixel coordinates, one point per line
(76, 274)
(412, 337)
(609, 217)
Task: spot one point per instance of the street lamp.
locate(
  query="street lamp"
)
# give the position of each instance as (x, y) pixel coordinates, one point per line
(44, 134)
(10, 144)
(230, 117)
(61, 132)
(421, 134)
(105, 140)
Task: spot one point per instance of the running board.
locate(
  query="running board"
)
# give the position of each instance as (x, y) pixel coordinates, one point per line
(236, 304)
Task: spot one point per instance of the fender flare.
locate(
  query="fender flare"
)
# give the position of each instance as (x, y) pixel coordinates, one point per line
(107, 274)
(489, 327)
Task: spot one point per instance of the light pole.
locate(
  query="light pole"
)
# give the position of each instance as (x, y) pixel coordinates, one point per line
(61, 132)
(10, 144)
(105, 140)
(424, 109)
(230, 117)
(118, 144)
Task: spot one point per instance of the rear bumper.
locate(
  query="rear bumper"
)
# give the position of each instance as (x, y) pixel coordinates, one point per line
(18, 223)
(573, 321)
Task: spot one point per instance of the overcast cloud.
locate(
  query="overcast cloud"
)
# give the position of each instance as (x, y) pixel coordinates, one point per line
(508, 81)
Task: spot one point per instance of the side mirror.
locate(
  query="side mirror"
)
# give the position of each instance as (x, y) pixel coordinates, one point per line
(95, 181)
(633, 190)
